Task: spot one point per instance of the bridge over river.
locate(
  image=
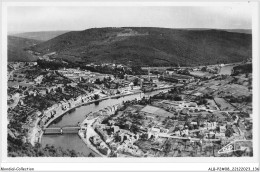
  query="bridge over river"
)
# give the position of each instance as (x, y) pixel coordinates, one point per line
(61, 130)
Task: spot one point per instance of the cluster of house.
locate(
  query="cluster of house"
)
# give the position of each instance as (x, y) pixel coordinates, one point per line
(129, 148)
(43, 90)
(79, 75)
(121, 141)
(99, 138)
(156, 131)
(116, 85)
(60, 108)
(171, 76)
(214, 70)
(110, 65)
(208, 129)
(191, 108)
(124, 143)
(103, 113)
(100, 145)
(105, 138)
(18, 65)
(43, 119)
(38, 79)
(74, 73)
(188, 108)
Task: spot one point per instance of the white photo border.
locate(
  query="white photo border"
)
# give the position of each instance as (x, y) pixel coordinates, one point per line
(156, 164)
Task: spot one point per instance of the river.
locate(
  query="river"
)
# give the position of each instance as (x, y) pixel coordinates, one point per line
(73, 141)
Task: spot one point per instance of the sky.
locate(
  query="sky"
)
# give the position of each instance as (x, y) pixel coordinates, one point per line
(51, 18)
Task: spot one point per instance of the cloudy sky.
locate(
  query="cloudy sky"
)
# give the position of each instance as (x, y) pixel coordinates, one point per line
(49, 18)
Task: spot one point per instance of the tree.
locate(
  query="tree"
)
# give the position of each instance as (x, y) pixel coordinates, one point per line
(91, 154)
(135, 82)
(167, 147)
(98, 81)
(202, 101)
(134, 128)
(229, 132)
(204, 69)
(177, 98)
(144, 136)
(117, 138)
(137, 70)
(96, 96)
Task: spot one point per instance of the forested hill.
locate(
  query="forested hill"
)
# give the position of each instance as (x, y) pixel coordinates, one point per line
(150, 46)
(16, 49)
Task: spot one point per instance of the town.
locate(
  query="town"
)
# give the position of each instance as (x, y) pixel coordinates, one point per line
(130, 86)
(195, 112)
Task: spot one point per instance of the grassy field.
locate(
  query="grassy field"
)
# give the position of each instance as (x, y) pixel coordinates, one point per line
(223, 104)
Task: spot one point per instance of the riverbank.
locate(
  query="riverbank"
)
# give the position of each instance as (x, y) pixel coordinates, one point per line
(163, 88)
(79, 114)
(89, 132)
(37, 136)
(86, 103)
(133, 92)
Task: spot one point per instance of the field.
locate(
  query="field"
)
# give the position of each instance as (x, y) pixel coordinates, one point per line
(223, 104)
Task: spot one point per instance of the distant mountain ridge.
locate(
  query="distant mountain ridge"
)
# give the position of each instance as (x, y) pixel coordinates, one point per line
(16, 46)
(41, 36)
(150, 46)
(247, 31)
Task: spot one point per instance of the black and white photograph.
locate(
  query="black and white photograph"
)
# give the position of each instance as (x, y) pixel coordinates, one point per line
(140, 81)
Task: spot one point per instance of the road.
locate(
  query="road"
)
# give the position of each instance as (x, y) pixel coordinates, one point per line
(90, 132)
(185, 138)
